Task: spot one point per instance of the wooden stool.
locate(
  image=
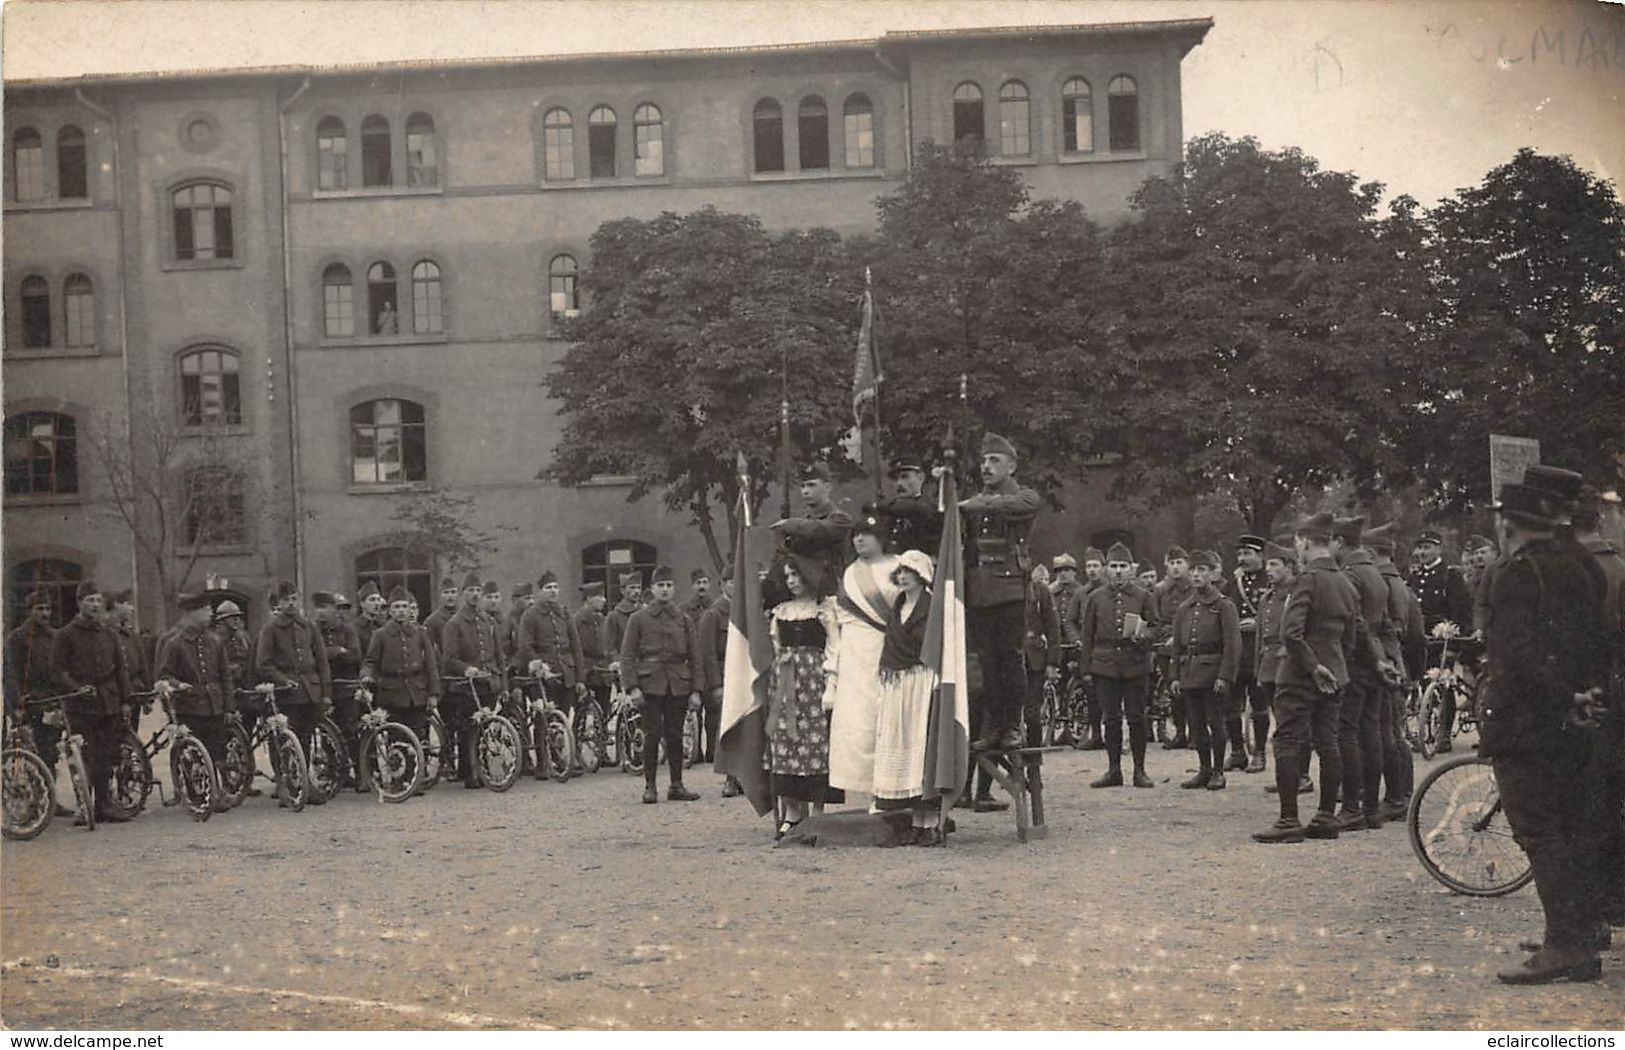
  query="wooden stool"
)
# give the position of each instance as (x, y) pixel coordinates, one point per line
(1024, 780)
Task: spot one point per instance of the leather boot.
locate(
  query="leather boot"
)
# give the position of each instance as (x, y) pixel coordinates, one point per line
(1113, 778)
(1199, 780)
(1554, 964)
(1141, 780)
(1256, 764)
(1283, 830)
(1094, 742)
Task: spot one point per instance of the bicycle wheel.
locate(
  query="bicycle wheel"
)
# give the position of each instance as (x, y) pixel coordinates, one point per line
(497, 753)
(394, 759)
(434, 751)
(1430, 720)
(29, 794)
(81, 786)
(631, 742)
(131, 777)
(191, 773)
(292, 775)
(326, 761)
(589, 719)
(1460, 832)
(236, 766)
(561, 746)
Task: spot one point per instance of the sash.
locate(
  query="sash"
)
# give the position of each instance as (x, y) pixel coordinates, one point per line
(869, 591)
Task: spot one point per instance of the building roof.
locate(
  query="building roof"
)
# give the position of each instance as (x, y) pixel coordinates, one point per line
(1193, 28)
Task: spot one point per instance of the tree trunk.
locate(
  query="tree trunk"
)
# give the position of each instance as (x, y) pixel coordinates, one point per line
(700, 506)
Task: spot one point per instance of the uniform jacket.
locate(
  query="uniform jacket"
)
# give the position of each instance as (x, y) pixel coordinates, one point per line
(1043, 642)
(343, 644)
(1612, 564)
(1247, 589)
(85, 652)
(1545, 642)
(660, 653)
(912, 523)
(1207, 640)
(364, 628)
(713, 641)
(1170, 594)
(1443, 594)
(997, 563)
(1065, 595)
(28, 662)
(134, 650)
(595, 658)
(1271, 610)
(1361, 569)
(1105, 651)
(694, 607)
(402, 659)
(615, 626)
(239, 649)
(470, 640)
(290, 652)
(1318, 625)
(508, 636)
(1396, 622)
(198, 659)
(546, 633)
(435, 622)
(819, 544)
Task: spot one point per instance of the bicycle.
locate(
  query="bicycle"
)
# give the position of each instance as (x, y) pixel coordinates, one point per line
(1460, 833)
(559, 757)
(498, 749)
(29, 785)
(390, 753)
(192, 772)
(625, 728)
(588, 724)
(1052, 721)
(73, 752)
(289, 771)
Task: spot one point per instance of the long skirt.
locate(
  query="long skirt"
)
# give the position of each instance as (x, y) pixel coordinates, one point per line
(900, 732)
(857, 701)
(797, 759)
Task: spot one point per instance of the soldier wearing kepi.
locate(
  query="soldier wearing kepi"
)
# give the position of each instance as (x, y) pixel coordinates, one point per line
(998, 521)
(1249, 581)
(401, 666)
(660, 659)
(1115, 655)
(1360, 710)
(192, 656)
(1443, 594)
(1317, 628)
(913, 522)
(1207, 651)
(85, 659)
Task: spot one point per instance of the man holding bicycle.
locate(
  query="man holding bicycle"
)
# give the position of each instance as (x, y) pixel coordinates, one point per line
(85, 659)
(192, 656)
(290, 655)
(470, 649)
(28, 674)
(401, 664)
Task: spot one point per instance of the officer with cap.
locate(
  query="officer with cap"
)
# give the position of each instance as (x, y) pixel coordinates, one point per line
(1249, 581)
(913, 522)
(191, 655)
(818, 543)
(998, 521)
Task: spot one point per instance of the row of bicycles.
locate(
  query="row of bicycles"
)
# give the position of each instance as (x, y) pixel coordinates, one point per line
(388, 758)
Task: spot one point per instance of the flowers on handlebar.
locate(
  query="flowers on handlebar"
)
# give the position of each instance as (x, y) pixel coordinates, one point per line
(1445, 629)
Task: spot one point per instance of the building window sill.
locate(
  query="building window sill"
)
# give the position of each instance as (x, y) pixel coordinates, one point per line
(66, 499)
(1100, 158)
(386, 488)
(817, 176)
(49, 353)
(1027, 161)
(618, 182)
(174, 265)
(339, 342)
(69, 204)
(216, 550)
(367, 192)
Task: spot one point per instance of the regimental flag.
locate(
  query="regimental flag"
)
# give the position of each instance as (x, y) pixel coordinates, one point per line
(866, 374)
(746, 671)
(947, 743)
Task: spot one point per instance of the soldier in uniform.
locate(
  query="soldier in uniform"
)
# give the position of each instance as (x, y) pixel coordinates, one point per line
(615, 620)
(121, 620)
(1280, 563)
(28, 676)
(193, 656)
(1042, 649)
(1115, 658)
(1066, 589)
(1444, 596)
(1147, 575)
(1072, 626)
(290, 653)
(401, 666)
(1249, 581)
(1546, 648)
(713, 644)
(589, 624)
(520, 599)
(699, 599)
(1398, 774)
(550, 650)
(1094, 568)
(1170, 593)
(818, 543)
(1478, 554)
(660, 659)
(1317, 628)
(451, 599)
(1360, 711)
(86, 659)
(1610, 748)
(1206, 655)
(372, 613)
(343, 644)
(998, 521)
(469, 648)
(913, 522)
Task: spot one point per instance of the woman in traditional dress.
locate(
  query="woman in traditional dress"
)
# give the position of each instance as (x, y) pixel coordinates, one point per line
(905, 702)
(797, 759)
(863, 604)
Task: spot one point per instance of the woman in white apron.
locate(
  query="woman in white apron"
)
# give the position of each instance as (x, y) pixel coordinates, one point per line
(863, 604)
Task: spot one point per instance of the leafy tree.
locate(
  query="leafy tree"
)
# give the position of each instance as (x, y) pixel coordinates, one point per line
(1264, 331)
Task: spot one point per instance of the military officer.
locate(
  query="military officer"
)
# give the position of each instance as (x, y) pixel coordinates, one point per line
(550, 650)
(1115, 658)
(470, 648)
(998, 521)
(1248, 582)
(660, 659)
(121, 620)
(1174, 589)
(589, 624)
(1206, 654)
(451, 599)
(819, 542)
(28, 675)
(699, 598)
(1609, 750)
(1360, 710)
(1317, 628)
(86, 659)
(290, 654)
(401, 666)
(193, 656)
(913, 522)
(1397, 771)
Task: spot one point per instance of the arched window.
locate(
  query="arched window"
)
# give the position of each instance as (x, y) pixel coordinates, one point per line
(422, 168)
(391, 567)
(332, 155)
(967, 111)
(605, 562)
(382, 296)
(1123, 114)
(558, 145)
(601, 143)
(214, 512)
(376, 152)
(57, 579)
(203, 221)
(36, 313)
(767, 122)
(562, 298)
(42, 455)
(426, 315)
(72, 169)
(387, 442)
(860, 132)
(812, 133)
(338, 301)
(78, 311)
(1015, 131)
(28, 165)
(648, 141)
(211, 394)
(1077, 118)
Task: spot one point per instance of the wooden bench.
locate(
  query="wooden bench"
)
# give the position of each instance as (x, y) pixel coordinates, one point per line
(1020, 771)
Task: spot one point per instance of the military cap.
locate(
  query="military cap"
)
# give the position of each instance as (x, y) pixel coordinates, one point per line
(367, 590)
(628, 579)
(1380, 537)
(1063, 561)
(283, 589)
(491, 587)
(662, 574)
(322, 598)
(447, 583)
(1279, 553)
(1429, 536)
(226, 610)
(591, 590)
(699, 574)
(36, 598)
(1176, 554)
(902, 466)
(398, 594)
(1208, 558)
(1316, 526)
(340, 600)
(1349, 529)
(523, 589)
(194, 600)
(471, 580)
(124, 597)
(1475, 542)
(85, 589)
(548, 576)
(1526, 504)
(815, 471)
(1561, 485)
(1248, 542)
(1120, 552)
(995, 443)
(1093, 554)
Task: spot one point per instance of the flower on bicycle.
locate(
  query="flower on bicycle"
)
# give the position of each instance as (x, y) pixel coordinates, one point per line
(1445, 629)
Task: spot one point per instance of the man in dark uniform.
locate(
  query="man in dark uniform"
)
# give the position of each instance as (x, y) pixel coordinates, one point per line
(1280, 564)
(193, 656)
(469, 648)
(550, 650)
(28, 675)
(1115, 658)
(589, 623)
(372, 613)
(1094, 568)
(1064, 587)
(343, 644)
(1072, 625)
(699, 598)
(1360, 710)
(818, 543)
(713, 644)
(660, 659)
(1444, 596)
(1042, 649)
(86, 659)
(1398, 774)
(615, 620)
(913, 522)
(290, 654)
(1248, 582)
(451, 599)
(520, 599)
(401, 665)
(1206, 657)
(1317, 628)
(1545, 646)
(1170, 593)
(121, 621)
(998, 521)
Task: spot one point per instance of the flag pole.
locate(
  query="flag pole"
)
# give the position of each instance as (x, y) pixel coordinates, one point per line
(874, 340)
(784, 430)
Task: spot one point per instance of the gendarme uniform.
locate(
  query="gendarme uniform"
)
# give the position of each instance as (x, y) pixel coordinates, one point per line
(1247, 587)
(912, 523)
